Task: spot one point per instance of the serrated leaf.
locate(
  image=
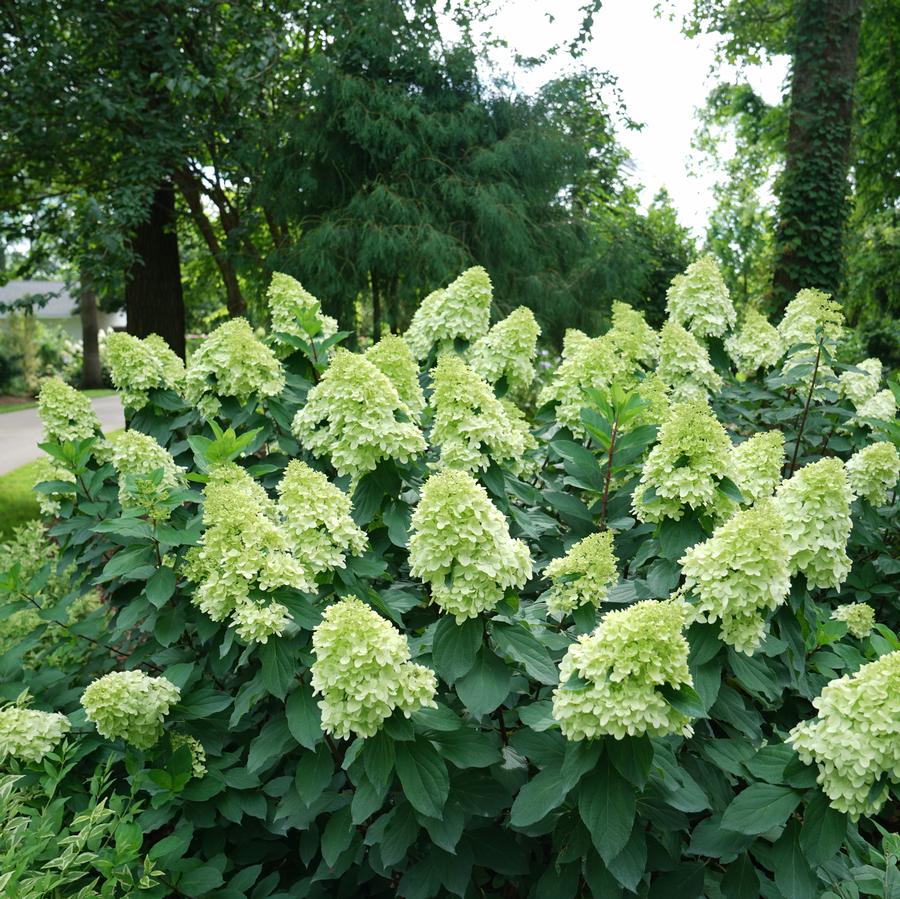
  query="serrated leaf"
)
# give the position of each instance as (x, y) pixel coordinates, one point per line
(523, 647)
(423, 776)
(606, 803)
(759, 808)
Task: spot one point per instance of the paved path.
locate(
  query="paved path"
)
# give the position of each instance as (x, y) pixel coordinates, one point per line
(20, 432)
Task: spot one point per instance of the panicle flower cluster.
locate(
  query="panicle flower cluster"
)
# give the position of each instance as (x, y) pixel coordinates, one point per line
(685, 466)
(873, 471)
(392, 357)
(243, 548)
(756, 464)
(136, 456)
(854, 739)
(317, 519)
(508, 350)
(609, 679)
(583, 575)
(699, 299)
(815, 506)
(461, 311)
(684, 364)
(47, 469)
(130, 705)
(363, 671)
(858, 616)
(631, 336)
(231, 362)
(574, 340)
(66, 413)
(740, 573)
(471, 426)
(859, 386)
(811, 313)
(138, 366)
(881, 407)
(195, 748)
(296, 312)
(460, 543)
(28, 735)
(355, 416)
(755, 345)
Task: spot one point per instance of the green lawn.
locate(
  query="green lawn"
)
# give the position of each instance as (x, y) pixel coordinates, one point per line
(30, 404)
(17, 501)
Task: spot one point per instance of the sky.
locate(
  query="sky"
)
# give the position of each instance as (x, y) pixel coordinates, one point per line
(664, 77)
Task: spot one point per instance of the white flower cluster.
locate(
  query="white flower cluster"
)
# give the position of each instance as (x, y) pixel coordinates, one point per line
(810, 314)
(699, 300)
(610, 679)
(583, 575)
(131, 705)
(135, 457)
(881, 407)
(508, 350)
(755, 345)
(48, 469)
(362, 670)
(854, 739)
(632, 337)
(815, 506)
(739, 574)
(66, 413)
(684, 364)
(860, 386)
(392, 357)
(460, 543)
(858, 616)
(231, 362)
(873, 471)
(355, 416)
(295, 312)
(755, 465)
(138, 366)
(461, 311)
(28, 735)
(685, 466)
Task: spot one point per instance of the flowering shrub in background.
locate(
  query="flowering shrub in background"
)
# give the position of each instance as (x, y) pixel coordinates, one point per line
(440, 619)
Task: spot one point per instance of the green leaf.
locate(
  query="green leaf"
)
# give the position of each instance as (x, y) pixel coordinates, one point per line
(455, 647)
(303, 717)
(378, 758)
(685, 882)
(467, 747)
(337, 835)
(423, 776)
(202, 702)
(676, 536)
(632, 758)
(272, 741)
(133, 563)
(760, 808)
(314, 773)
(685, 700)
(629, 865)
(793, 875)
(606, 803)
(823, 830)
(523, 647)
(486, 685)
(729, 489)
(199, 881)
(279, 664)
(543, 793)
(398, 833)
(600, 882)
(741, 880)
(161, 586)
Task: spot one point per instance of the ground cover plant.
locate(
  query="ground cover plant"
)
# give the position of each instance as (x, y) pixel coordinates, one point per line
(415, 622)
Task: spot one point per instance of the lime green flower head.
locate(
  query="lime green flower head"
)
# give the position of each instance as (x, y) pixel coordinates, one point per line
(684, 364)
(854, 740)
(859, 386)
(881, 407)
(317, 519)
(738, 574)
(392, 357)
(756, 345)
(362, 671)
(815, 506)
(610, 679)
(460, 543)
(811, 313)
(574, 340)
(295, 312)
(756, 464)
(699, 300)
(583, 575)
(355, 416)
(461, 311)
(858, 616)
(244, 547)
(47, 469)
(873, 471)
(66, 413)
(130, 705)
(631, 336)
(196, 750)
(508, 351)
(138, 366)
(28, 735)
(685, 466)
(232, 362)
(136, 456)
(471, 425)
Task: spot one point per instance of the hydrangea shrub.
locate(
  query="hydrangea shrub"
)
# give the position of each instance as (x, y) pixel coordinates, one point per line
(419, 622)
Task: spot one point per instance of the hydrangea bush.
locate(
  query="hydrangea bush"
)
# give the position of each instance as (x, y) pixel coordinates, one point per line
(407, 623)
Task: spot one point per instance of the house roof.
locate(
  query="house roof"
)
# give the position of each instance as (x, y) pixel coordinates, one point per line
(61, 304)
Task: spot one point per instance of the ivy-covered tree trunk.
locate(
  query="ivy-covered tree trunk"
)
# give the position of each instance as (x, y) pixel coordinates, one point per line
(813, 189)
(91, 375)
(153, 292)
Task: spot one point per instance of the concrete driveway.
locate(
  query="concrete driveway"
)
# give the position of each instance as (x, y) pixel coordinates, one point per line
(20, 432)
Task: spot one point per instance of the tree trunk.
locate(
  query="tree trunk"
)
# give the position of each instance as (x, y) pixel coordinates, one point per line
(813, 187)
(376, 308)
(153, 295)
(90, 346)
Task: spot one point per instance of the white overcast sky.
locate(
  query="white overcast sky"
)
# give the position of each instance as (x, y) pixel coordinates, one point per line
(664, 77)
